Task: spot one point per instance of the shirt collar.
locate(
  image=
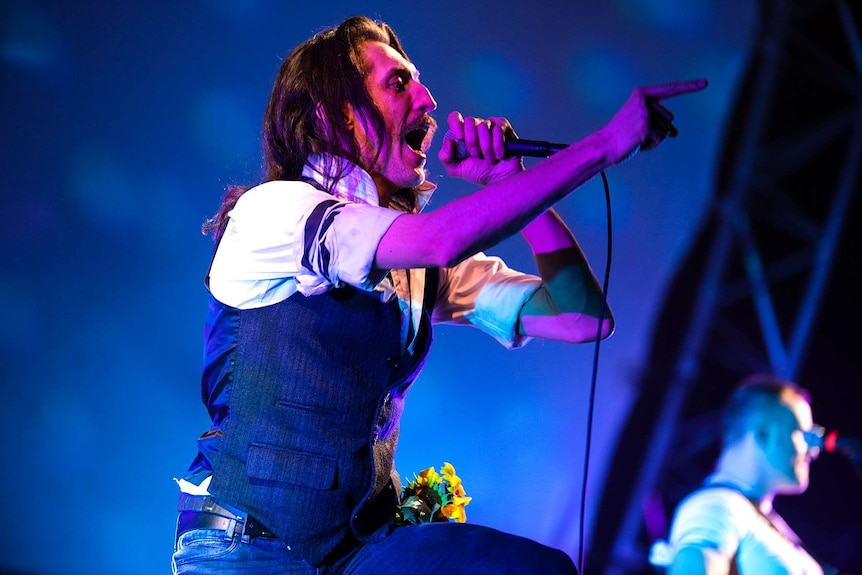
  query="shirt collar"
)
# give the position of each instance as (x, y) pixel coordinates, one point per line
(356, 185)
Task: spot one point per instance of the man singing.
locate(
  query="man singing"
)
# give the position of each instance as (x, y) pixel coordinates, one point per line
(324, 285)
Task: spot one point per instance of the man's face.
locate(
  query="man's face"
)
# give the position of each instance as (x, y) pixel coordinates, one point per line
(405, 104)
(788, 452)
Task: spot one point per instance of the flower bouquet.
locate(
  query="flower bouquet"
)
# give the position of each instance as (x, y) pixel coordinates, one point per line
(433, 497)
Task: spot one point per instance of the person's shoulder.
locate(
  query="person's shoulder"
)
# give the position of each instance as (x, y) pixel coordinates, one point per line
(716, 495)
(275, 188)
(276, 195)
(719, 502)
(720, 516)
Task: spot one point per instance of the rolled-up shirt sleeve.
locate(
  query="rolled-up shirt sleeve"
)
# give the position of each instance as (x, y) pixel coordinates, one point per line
(482, 291)
(337, 244)
(292, 230)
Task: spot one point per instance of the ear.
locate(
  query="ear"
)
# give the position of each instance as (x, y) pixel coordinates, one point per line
(763, 430)
(347, 113)
(349, 116)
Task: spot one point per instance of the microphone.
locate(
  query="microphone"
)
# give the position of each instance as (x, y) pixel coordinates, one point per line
(834, 442)
(515, 147)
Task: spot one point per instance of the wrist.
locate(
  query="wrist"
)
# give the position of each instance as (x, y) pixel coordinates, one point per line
(504, 171)
(612, 150)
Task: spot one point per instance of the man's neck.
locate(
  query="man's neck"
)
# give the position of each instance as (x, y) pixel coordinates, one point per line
(738, 471)
(385, 190)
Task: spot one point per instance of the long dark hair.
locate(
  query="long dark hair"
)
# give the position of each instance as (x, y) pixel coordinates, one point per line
(306, 105)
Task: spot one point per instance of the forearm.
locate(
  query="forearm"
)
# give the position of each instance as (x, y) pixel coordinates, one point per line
(548, 233)
(569, 304)
(482, 219)
(563, 266)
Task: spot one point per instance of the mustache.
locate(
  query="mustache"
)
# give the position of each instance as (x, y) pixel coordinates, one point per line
(424, 122)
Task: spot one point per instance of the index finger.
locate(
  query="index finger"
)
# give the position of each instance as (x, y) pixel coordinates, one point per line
(456, 124)
(670, 89)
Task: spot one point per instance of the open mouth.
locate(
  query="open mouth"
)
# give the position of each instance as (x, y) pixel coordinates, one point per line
(419, 137)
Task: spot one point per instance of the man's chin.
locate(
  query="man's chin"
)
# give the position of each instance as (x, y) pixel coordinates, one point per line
(794, 486)
(417, 178)
(420, 179)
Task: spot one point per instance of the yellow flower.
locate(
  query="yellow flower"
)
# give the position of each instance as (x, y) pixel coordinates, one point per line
(428, 477)
(449, 476)
(461, 501)
(430, 497)
(455, 512)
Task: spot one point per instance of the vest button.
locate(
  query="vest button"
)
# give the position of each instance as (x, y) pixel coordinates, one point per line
(391, 362)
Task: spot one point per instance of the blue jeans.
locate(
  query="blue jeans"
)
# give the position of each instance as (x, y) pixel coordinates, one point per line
(429, 548)
(204, 551)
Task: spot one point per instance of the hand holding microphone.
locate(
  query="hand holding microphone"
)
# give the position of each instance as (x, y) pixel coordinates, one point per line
(514, 148)
(475, 149)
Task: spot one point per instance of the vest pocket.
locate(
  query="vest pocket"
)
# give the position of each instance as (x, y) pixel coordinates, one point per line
(288, 466)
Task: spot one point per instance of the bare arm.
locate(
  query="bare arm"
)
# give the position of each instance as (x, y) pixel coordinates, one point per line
(568, 305)
(513, 199)
(482, 219)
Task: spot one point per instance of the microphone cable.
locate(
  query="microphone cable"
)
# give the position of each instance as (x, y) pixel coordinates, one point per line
(592, 391)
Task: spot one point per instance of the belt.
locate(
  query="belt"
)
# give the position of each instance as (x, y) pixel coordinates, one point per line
(202, 512)
(248, 527)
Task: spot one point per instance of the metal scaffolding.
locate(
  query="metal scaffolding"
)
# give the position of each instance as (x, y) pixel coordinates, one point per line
(757, 277)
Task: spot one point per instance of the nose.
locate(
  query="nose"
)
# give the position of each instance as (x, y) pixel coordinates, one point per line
(424, 100)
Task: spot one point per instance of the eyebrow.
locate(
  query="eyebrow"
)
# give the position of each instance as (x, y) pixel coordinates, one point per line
(394, 66)
(400, 68)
